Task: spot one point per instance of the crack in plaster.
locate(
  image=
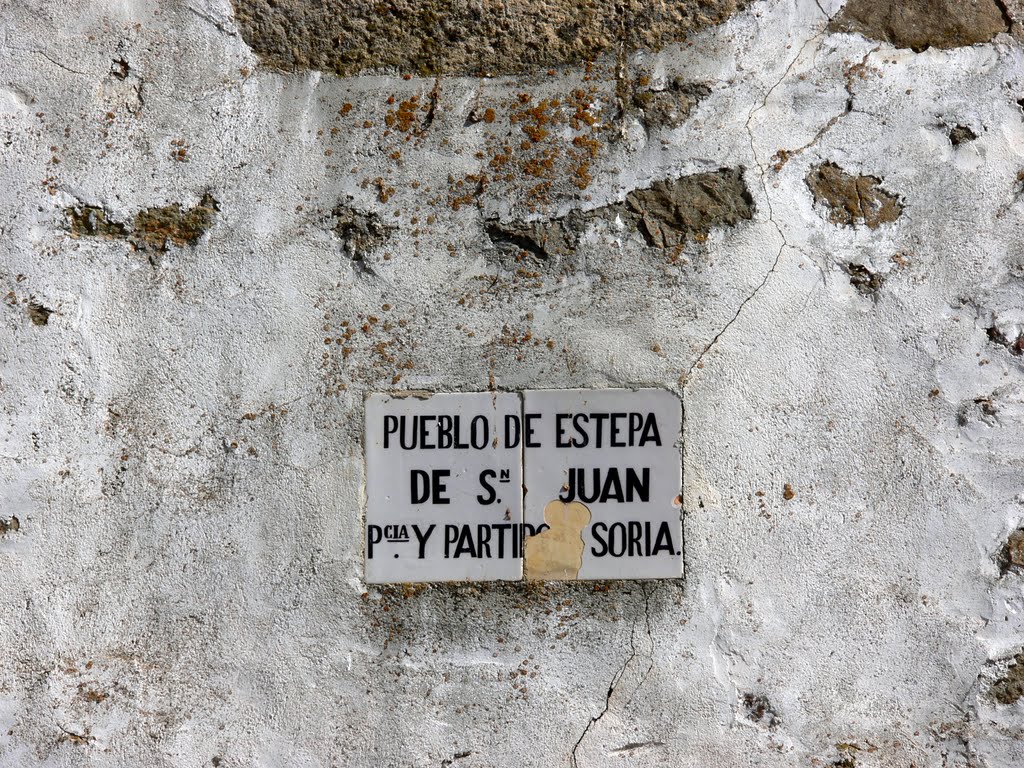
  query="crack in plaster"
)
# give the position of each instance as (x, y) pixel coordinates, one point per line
(617, 677)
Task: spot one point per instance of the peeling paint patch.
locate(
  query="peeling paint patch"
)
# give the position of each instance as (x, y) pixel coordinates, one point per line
(850, 200)
(961, 134)
(556, 554)
(434, 37)
(921, 24)
(545, 239)
(10, 525)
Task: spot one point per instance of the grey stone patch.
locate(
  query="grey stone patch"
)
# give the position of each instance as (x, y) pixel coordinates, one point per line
(866, 281)
(759, 710)
(670, 106)
(38, 313)
(547, 240)
(666, 214)
(1014, 343)
(360, 232)
(670, 212)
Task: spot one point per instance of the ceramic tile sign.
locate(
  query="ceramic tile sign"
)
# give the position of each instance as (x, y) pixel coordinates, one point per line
(444, 487)
(604, 474)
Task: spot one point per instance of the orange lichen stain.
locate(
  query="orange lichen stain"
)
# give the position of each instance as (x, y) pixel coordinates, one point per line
(547, 154)
(556, 554)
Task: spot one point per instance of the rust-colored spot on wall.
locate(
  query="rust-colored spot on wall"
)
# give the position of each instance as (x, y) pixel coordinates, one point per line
(433, 37)
(10, 525)
(851, 200)
(920, 24)
(556, 554)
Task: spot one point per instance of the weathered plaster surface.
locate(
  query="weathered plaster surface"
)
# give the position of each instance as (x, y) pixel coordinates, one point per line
(182, 375)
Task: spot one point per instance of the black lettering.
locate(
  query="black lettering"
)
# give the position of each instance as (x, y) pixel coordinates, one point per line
(612, 489)
(421, 538)
(465, 543)
(444, 431)
(483, 536)
(664, 539)
(638, 488)
(600, 419)
(650, 431)
(502, 529)
(486, 475)
(582, 443)
(459, 445)
(614, 440)
(512, 423)
(559, 430)
(439, 487)
(569, 489)
(425, 432)
(617, 540)
(374, 535)
(402, 433)
(419, 482)
(390, 427)
(478, 436)
(635, 532)
(636, 422)
(598, 530)
(529, 419)
(451, 534)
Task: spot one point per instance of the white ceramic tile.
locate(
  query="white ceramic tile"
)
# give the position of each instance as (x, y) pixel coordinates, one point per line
(469, 526)
(628, 526)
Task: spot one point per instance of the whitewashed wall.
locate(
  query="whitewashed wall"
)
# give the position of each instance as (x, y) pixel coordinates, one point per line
(181, 461)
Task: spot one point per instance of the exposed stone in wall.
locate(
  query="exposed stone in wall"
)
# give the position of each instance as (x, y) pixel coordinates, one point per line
(666, 215)
(1009, 688)
(667, 107)
(158, 228)
(442, 37)
(1012, 554)
(360, 232)
(920, 24)
(850, 199)
(152, 229)
(670, 211)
